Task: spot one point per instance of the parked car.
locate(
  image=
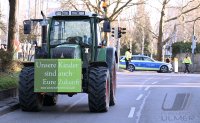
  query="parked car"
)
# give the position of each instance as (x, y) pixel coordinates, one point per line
(142, 62)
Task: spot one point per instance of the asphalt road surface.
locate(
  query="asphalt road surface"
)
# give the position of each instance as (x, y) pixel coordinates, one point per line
(142, 97)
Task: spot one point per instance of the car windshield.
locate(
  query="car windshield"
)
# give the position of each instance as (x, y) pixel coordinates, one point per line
(70, 31)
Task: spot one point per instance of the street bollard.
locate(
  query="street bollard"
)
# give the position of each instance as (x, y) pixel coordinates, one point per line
(176, 65)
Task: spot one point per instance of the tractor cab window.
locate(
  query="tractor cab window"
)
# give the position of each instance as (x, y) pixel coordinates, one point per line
(70, 31)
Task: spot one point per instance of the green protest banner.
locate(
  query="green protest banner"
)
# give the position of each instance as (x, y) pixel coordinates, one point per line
(58, 75)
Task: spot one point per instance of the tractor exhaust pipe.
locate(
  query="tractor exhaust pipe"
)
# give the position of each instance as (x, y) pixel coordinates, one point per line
(44, 28)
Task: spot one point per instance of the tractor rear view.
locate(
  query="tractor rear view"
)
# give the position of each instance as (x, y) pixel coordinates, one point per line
(70, 60)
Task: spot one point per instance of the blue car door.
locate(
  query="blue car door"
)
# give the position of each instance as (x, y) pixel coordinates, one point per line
(138, 62)
(150, 64)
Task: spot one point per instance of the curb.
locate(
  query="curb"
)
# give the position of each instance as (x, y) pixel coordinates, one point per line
(9, 101)
(12, 92)
(7, 109)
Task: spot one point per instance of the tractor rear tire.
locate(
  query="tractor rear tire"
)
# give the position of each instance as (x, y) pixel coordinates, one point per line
(29, 101)
(99, 89)
(50, 100)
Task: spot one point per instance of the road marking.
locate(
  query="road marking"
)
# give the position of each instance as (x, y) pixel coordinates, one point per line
(141, 107)
(154, 83)
(159, 86)
(165, 78)
(147, 88)
(72, 105)
(139, 97)
(143, 84)
(131, 113)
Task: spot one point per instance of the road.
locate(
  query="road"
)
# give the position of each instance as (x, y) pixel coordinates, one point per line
(142, 97)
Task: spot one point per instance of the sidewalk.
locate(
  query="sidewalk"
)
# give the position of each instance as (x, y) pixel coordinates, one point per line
(8, 105)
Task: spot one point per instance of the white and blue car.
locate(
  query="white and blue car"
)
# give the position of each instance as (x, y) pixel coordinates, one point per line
(141, 62)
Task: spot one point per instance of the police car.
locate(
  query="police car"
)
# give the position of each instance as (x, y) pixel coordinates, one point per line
(142, 62)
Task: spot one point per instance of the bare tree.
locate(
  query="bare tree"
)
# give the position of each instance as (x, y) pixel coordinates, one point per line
(161, 42)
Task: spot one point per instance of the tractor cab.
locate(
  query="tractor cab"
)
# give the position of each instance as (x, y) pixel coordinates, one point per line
(74, 31)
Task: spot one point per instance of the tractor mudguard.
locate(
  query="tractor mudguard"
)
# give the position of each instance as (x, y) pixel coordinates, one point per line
(101, 56)
(105, 54)
(111, 56)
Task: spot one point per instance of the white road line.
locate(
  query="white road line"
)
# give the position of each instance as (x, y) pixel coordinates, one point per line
(159, 86)
(131, 113)
(139, 97)
(71, 106)
(145, 81)
(147, 88)
(165, 78)
(141, 107)
(154, 83)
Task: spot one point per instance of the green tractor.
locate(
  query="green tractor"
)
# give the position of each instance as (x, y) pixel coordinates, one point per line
(71, 59)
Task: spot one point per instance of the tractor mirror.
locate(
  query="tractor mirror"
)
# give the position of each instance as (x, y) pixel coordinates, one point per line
(27, 26)
(106, 26)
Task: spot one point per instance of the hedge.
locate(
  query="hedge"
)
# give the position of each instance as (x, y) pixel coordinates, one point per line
(8, 81)
(184, 47)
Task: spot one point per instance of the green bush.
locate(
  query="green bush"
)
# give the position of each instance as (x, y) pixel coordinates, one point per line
(184, 47)
(8, 81)
(6, 59)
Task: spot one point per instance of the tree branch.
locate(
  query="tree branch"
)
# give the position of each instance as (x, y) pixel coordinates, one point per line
(170, 37)
(198, 18)
(120, 8)
(117, 5)
(94, 7)
(155, 35)
(187, 11)
(187, 4)
(73, 5)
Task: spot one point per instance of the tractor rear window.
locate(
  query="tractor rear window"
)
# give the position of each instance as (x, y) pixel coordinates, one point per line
(70, 31)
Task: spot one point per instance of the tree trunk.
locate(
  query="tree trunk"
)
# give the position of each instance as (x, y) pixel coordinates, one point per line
(160, 36)
(12, 29)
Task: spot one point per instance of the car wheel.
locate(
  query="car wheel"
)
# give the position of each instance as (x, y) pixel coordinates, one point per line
(131, 68)
(164, 69)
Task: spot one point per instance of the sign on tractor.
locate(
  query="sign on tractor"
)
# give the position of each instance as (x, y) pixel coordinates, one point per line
(58, 75)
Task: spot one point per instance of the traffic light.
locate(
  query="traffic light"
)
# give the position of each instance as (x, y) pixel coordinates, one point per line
(113, 32)
(123, 30)
(119, 32)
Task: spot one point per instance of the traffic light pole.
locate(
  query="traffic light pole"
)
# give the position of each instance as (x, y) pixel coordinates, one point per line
(193, 44)
(118, 42)
(118, 50)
